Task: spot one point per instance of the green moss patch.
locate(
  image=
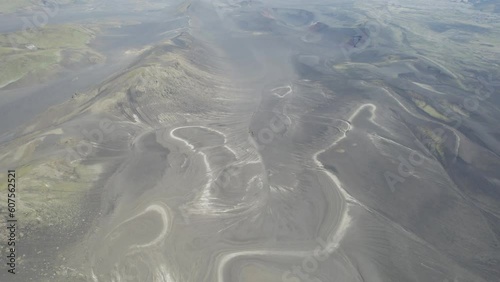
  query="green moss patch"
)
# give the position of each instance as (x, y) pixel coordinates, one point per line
(41, 53)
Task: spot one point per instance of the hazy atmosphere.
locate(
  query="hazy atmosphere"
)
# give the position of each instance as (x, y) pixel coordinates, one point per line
(250, 141)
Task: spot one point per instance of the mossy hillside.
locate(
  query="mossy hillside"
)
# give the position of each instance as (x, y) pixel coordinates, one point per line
(49, 194)
(55, 46)
(50, 37)
(11, 6)
(16, 66)
(167, 80)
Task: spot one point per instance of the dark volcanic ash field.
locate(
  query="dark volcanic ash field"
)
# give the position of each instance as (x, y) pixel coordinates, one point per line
(333, 141)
